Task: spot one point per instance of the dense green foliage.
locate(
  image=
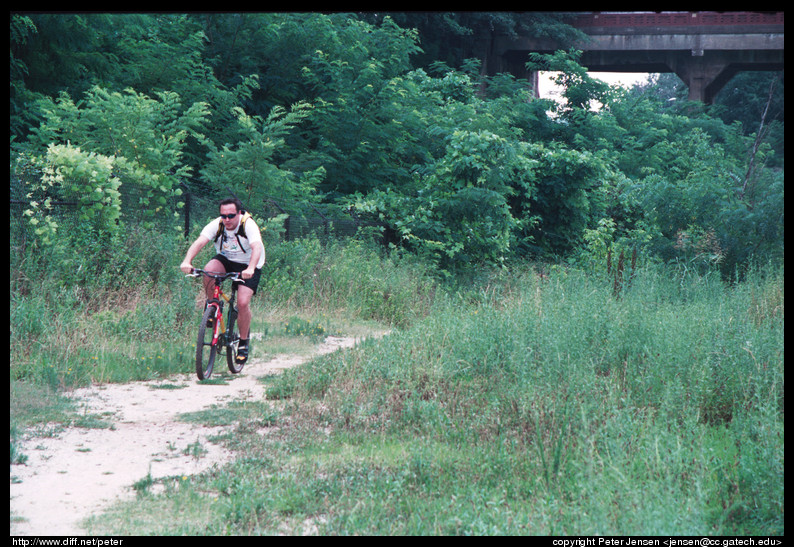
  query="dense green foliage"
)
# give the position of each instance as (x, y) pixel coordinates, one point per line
(353, 111)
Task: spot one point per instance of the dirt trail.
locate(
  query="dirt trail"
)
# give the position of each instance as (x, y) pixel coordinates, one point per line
(80, 471)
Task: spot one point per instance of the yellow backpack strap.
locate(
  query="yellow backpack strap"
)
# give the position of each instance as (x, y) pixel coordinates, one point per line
(220, 230)
(241, 229)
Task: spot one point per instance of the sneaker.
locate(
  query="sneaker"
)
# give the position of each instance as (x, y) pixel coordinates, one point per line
(211, 319)
(242, 352)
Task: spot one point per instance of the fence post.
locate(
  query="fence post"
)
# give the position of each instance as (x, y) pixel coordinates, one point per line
(325, 220)
(286, 221)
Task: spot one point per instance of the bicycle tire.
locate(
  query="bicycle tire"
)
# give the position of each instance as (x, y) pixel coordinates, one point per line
(205, 349)
(232, 341)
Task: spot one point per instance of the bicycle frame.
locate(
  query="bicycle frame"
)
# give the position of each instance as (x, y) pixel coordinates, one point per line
(222, 334)
(220, 325)
(215, 301)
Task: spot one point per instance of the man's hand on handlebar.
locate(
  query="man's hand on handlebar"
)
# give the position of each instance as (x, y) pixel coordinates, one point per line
(236, 277)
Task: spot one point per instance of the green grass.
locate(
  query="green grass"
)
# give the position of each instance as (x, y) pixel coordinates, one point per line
(75, 330)
(247, 414)
(510, 403)
(526, 405)
(76, 322)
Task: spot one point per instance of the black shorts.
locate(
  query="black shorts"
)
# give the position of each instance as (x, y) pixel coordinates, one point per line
(230, 266)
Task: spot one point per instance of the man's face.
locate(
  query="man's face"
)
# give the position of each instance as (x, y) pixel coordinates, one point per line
(226, 210)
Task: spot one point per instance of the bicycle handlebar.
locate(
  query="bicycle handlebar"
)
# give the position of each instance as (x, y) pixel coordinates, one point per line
(234, 276)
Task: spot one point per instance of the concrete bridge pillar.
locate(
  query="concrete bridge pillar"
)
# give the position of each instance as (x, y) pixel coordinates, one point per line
(703, 74)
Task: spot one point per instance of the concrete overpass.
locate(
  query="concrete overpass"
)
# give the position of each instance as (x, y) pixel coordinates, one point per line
(705, 49)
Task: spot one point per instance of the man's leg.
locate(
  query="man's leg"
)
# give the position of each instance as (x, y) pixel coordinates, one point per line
(216, 266)
(244, 295)
(244, 315)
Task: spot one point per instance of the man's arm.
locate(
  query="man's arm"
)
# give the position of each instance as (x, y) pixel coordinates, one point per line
(256, 252)
(194, 249)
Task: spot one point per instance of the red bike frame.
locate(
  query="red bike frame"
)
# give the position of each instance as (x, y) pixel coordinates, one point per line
(215, 301)
(218, 314)
(217, 294)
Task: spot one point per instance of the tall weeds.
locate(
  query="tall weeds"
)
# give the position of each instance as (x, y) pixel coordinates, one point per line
(616, 406)
(352, 275)
(95, 311)
(531, 400)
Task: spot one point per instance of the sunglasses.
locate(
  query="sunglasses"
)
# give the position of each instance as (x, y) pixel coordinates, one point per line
(229, 216)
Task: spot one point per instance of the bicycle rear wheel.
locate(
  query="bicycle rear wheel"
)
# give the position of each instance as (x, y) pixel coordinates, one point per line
(205, 349)
(232, 341)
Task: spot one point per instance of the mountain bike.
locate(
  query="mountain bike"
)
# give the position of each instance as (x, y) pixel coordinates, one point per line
(215, 332)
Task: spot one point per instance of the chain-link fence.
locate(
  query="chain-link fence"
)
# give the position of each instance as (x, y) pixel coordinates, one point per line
(302, 219)
(199, 205)
(66, 213)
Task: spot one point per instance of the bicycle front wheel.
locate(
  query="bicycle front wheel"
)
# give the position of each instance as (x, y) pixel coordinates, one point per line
(232, 341)
(205, 349)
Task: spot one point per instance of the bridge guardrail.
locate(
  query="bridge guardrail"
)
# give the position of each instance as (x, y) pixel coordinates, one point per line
(681, 18)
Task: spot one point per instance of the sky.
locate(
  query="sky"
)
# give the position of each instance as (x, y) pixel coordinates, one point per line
(547, 88)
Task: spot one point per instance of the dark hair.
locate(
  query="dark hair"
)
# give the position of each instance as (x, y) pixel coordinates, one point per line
(232, 201)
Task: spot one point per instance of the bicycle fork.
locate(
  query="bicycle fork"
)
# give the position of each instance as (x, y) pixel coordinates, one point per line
(220, 323)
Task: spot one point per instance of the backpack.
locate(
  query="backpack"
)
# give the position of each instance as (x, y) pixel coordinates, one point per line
(240, 230)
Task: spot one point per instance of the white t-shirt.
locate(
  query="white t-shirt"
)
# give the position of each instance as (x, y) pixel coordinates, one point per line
(230, 247)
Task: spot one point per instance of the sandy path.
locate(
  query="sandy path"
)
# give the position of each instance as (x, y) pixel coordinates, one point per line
(80, 471)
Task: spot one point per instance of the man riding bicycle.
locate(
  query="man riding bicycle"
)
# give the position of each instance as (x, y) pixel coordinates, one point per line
(239, 249)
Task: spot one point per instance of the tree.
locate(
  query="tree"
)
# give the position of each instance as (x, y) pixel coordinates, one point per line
(143, 138)
(455, 37)
(22, 28)
(247, 164)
